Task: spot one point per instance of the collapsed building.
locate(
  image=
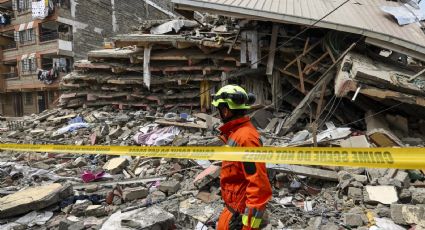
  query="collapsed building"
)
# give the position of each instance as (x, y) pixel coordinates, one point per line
(299, 72)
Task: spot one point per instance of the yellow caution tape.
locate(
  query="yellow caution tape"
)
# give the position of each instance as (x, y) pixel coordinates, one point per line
(402, 158)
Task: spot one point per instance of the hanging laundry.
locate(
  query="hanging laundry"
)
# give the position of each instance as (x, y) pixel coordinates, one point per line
(40, 9)
(48, 77)
(4, 19)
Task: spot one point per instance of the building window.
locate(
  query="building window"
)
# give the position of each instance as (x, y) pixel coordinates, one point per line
(26, 36)
(29, 65)
(24, 5)
(51, 96)
(29, 100)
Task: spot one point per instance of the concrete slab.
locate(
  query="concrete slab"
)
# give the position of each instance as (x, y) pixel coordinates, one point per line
(34, 198)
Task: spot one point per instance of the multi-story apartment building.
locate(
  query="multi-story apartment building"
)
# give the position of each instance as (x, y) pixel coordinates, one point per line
(41, 39)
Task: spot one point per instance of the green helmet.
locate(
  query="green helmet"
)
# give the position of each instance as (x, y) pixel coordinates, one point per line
(234, 96)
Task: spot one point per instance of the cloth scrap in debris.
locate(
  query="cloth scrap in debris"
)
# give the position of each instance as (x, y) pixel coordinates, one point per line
(157, 137)
(70, 128)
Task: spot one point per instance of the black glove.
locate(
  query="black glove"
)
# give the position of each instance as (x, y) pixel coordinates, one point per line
(236, 222)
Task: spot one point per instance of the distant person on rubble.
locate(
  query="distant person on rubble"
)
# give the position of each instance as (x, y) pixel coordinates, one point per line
(245, 187)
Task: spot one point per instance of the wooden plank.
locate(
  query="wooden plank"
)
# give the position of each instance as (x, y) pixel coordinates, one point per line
(224, 78)
(277, 93)
(199, 125)
(301, 75)
(146, 66)
(272, 52)
(243, 47)
(330, 53)
(234, 41)
(310, 66)
(254, 46)
(301, 55)
(417, 75)
(272, 125)
(320, 103)
(299, 110)
(62, 118)
(306, 45)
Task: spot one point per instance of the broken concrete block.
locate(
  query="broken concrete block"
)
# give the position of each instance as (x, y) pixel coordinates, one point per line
(151, 218)
(384, 181)
(261, 118)
(69, 225)
(206, 176)
(360, 178)
(41, 165)
(382, 211)
(381, 194)
(405, 196)
(314, 223)
(115, 165)
(91, 188)
(125, 135)
(178, 177)
(130, 194)
(156, 162)
(96, 210)
(79, 162)
(344, 176)
(198, 210)
(403, 177)
(115, 133)
(33, 198)
(80, 206)
(356, 194)
(391, 173)
(407, 214)
(139, 171)
(169, 187)
(93, 222)
(375, 174)
(330, 226)
(418, 196)
(156, 196)
(207, 197)
(356, 142)
(353, 220)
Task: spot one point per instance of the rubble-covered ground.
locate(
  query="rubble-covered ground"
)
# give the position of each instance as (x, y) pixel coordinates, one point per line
(65, 191)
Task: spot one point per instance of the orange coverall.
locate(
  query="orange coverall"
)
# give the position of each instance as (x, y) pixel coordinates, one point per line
(245, 186)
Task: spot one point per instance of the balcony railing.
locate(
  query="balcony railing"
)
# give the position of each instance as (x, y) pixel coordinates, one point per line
(10, 46)
(48, 37)
(9, 75)
(54, 36)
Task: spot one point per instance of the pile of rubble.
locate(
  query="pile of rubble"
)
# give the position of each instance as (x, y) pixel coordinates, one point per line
(321, 88)
(305, 82)
(65, 191)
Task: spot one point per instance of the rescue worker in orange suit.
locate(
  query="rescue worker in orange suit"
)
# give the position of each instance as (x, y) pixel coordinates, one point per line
(245, 187)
